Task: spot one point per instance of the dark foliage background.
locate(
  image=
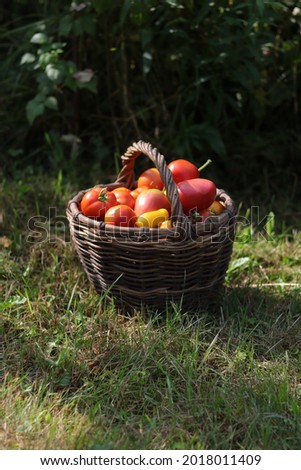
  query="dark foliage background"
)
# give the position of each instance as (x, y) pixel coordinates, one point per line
(80, 81)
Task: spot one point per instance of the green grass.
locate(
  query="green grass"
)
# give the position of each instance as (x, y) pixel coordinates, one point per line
(78, 374)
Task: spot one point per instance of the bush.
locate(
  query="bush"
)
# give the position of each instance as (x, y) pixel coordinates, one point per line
(196, 78)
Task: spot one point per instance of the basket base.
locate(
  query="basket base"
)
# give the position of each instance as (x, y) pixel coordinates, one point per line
(192, 302)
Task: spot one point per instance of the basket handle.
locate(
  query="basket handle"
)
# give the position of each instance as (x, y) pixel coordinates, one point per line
(127, 177)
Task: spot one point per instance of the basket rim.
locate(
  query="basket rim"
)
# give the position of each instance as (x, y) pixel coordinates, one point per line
(90, 222)
(182, 223)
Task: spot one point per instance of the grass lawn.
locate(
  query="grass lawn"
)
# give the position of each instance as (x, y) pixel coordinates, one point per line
(78, 374)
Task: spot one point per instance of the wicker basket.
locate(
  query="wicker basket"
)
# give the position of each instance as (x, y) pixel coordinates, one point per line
(186, 264)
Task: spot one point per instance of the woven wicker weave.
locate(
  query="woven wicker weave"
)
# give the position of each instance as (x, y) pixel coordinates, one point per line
(184, 264)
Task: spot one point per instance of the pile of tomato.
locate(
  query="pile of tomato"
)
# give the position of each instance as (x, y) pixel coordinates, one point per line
(148, 204)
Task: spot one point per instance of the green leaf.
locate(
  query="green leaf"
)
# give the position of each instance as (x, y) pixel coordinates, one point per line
(39, 38)
(203, 11)
(270, 225)
(125, 10)
(27, 58)
(51, 102)
(218, 146)
(12, 301)
(52, 72)
(88, 23)
(253, 71)
(147, 61)
(34, 108)
(102, 5)
(146, 37)
(238, 263)
(214, 139)
(260, 6)
(65, 25)
(175, 3)
(91, 86)
(45, 58)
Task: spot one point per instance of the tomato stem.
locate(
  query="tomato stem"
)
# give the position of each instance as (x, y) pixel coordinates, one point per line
(195, 215)
(103, 197)
(205, 165)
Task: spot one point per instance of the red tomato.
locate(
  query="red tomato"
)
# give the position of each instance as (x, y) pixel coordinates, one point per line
(123, 196)
(183, 170)
(135, 193)
(196, 194)
(121, 215)
(96, 202)
(151, 200)
(150, 178)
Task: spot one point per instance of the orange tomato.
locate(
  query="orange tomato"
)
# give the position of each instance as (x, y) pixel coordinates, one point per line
(135, 193)
(150, 178)
(121, 216)
(151, 200)
(123, 196)
(216, 208)
(122, 189)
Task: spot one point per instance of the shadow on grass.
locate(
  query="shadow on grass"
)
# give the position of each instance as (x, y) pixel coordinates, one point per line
(152, 380)
(268, 320)
(268, 316)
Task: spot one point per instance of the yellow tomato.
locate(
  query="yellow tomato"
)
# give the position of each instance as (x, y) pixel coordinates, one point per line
(166, 224)
(152, 219)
